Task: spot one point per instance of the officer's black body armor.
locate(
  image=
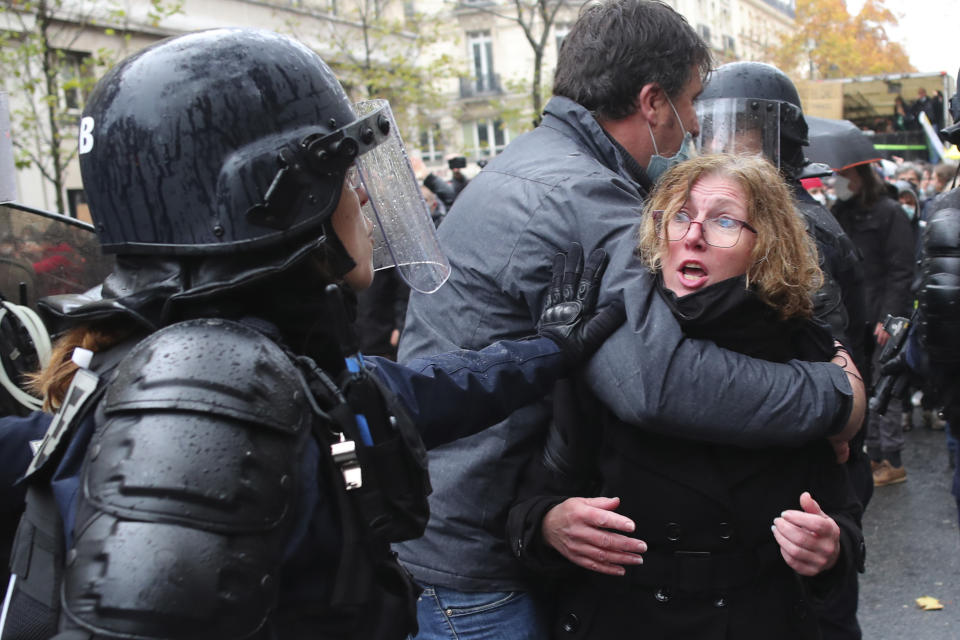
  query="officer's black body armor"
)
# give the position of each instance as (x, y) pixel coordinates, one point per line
(217, 462)
(939, 292)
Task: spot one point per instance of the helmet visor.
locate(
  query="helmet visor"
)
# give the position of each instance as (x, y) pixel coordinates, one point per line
(740, 126)
(404, 236)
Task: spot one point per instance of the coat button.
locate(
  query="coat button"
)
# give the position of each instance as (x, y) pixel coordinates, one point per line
(673, 532)
(725, 530)
(720, 602)
(570, 623)
(662, 595)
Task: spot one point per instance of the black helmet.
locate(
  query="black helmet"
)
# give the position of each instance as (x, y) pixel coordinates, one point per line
(740, 93)
(230, 140)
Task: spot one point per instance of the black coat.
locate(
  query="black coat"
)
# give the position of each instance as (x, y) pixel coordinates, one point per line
(713, 569)
(840, 302)
(884, 238)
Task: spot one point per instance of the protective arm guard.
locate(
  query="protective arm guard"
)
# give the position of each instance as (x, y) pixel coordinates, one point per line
(189, 488)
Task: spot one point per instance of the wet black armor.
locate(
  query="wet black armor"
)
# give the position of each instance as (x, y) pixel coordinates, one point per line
(939, 294)
(195, 481)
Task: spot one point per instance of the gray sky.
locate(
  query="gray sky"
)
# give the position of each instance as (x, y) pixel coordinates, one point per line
(929, 30)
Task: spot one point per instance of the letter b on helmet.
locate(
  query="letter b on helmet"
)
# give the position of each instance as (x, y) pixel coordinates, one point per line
(86, 135)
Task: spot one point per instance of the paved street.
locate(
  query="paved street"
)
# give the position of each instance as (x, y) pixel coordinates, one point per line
(913, 549)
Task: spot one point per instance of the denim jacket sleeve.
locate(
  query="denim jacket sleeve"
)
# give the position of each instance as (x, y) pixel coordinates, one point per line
(456, 394)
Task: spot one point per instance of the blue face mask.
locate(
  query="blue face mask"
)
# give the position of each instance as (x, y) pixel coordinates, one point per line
(658, 164)
(909, 209)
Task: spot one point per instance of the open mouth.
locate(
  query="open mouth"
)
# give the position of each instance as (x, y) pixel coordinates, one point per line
(692, 272)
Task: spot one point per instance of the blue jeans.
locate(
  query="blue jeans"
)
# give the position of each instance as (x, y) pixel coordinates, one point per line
(447, 614)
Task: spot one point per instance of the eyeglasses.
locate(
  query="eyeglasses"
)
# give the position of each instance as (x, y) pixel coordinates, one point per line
(720, 231)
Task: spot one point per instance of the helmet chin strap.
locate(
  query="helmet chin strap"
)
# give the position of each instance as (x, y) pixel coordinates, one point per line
(338, 258)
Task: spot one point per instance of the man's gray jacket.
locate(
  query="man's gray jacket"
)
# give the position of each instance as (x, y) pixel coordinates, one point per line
(568, 181)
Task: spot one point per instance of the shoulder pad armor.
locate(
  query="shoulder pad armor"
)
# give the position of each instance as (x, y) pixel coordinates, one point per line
(203, 424)
(190, 487)
(211, 366)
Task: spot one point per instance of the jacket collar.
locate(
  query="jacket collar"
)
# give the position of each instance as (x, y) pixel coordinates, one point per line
(572, 119)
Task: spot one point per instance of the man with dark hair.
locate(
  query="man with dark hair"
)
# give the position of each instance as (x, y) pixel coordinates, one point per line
(621, 114)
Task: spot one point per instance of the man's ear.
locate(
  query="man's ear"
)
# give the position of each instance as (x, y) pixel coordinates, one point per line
(649, 102)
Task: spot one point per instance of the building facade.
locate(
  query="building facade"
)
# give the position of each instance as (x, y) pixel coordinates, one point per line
(485, 48)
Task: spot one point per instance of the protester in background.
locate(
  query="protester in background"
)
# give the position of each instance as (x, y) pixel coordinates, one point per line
(815, 188)
(458, 181)
(937, 102)
(925, 105)
(903, 119)
(909, 202)
(944, 175)
(443, 192)
(882, 233)
(909, 172)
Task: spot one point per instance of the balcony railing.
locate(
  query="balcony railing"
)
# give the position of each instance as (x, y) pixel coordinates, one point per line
(485, 85)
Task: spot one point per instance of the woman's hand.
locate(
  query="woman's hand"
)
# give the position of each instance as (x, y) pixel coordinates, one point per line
(809, 540)
(582, 531)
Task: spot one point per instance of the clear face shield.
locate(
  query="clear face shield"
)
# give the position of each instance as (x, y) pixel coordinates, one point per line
(404, 235)
(740, 126)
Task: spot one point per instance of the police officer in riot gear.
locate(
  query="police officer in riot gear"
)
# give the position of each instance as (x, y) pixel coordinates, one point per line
(752, 107)
(222, 463)
(934, 346)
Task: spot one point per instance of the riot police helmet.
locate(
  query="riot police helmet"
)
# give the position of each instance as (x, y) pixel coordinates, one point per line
(753, 107)
(234, 142)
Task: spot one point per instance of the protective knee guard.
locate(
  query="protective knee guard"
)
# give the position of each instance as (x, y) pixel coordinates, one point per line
(939, 294)
(189, 488)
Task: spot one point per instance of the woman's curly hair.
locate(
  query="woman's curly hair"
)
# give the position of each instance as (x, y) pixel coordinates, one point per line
(785, 272)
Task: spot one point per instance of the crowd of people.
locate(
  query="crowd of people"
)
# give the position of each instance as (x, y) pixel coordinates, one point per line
(906, 115)
(649, 412)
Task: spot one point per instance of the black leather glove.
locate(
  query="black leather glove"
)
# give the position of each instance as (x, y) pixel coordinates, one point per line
(895, 365)
(568, 316)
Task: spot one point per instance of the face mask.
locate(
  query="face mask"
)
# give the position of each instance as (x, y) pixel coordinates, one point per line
(819, 197)
(909, 209)
(841, 186)
(658, 164)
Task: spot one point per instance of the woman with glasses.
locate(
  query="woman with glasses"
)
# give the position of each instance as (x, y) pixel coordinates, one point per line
(740, 543)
